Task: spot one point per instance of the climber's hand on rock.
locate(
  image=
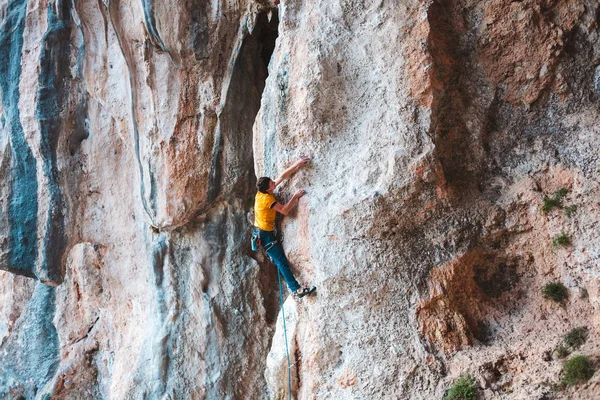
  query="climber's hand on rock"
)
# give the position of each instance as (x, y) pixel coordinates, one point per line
(299, 193)
(303, 161)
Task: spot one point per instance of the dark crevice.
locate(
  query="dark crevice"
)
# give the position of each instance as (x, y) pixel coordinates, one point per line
(88, 331)
(199, 30)
(267, 37)
(234, 130)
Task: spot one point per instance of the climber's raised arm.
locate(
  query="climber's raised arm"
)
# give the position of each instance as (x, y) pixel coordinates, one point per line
(295, 166)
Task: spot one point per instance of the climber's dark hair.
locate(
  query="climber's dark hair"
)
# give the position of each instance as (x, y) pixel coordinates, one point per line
(263, 184)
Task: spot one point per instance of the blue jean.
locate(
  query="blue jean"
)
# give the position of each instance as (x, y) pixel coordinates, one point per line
(275, 252)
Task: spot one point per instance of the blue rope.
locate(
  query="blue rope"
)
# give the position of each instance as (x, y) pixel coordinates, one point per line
(287, 350)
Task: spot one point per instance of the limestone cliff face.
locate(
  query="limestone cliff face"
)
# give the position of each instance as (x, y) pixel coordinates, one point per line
(131, 136)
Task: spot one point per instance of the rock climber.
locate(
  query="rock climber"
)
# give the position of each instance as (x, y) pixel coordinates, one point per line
(266, 208)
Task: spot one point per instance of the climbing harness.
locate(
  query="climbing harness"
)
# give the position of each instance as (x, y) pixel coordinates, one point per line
(255, 241)
(287, 350)
(268, 247)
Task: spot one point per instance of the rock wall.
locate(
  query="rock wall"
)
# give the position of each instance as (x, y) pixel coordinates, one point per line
(131, 136)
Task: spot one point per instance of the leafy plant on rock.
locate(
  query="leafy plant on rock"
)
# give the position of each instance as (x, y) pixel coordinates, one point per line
(576, 337)
(464, 388)
(561, 240)
(577, 370)
(554, 201)
(560, 193)
(555, 291)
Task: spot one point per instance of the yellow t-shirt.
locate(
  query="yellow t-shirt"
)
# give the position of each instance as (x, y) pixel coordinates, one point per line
(264, 215)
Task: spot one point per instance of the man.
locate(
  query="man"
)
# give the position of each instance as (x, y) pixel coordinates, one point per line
(266, 208)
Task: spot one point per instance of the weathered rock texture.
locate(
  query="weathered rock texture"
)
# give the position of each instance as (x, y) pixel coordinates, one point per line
(131, 136)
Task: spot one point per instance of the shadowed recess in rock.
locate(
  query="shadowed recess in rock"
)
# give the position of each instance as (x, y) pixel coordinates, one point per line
(241, 106)
(199, 30)
(30, 357)
(54, 67)
(23, 205)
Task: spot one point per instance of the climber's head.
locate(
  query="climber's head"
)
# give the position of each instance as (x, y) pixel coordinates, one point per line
(265, 185)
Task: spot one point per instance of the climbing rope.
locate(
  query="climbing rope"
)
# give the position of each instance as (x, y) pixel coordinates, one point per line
(287, 350)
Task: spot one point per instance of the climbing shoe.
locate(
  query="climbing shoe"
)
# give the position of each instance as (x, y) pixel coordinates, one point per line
(305, 291)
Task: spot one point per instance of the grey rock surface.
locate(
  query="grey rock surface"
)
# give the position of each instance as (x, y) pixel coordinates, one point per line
(131, 138)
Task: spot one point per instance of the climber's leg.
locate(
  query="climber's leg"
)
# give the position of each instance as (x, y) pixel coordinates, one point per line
(278, 257)
(276, 254)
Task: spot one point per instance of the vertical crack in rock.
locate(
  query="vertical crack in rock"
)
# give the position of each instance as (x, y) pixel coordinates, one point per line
(52, 96)
(23, 205)
(30, 357)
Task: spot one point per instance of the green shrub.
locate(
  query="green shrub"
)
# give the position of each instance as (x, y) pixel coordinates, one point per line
(561, 240)
(560, 193)
(576, 337)
(555, 291)
(555, 201)
(549, 204)
(578, 369)
(464, 388)
(570, 210)
(562, 351)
